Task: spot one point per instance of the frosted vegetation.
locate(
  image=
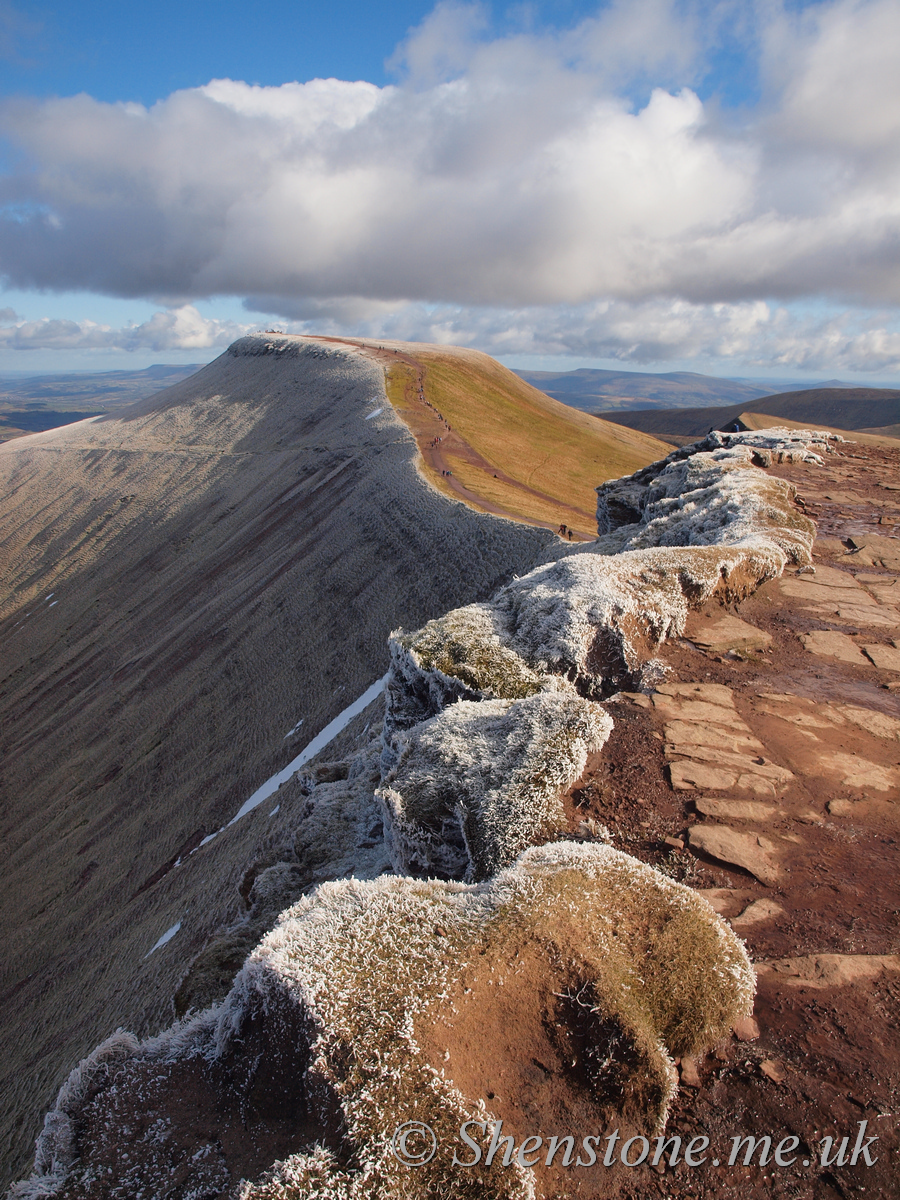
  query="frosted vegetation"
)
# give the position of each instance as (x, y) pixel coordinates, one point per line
(466, 790)
(353, 976)
(491, 712)
(463, 794)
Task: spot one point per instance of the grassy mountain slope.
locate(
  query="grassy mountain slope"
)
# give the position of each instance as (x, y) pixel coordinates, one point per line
(754, 420)
(511, 449)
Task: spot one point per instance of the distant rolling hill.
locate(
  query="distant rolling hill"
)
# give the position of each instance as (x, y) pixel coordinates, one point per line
(871, 409)
(608, 391)
(865, 437)
(192, 590)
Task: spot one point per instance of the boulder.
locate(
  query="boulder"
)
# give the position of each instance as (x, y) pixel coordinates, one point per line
(746, 1030)
(886, 658)
(827, 970)
(727, 902)
(811, 590)
(828, 643)
(688, 733)
(757, 913)
(878, 723)
(712, 693)
(738, 810)
(876, 551)
(860, 614)
(697, 710)
(690, 776)
(853, 771)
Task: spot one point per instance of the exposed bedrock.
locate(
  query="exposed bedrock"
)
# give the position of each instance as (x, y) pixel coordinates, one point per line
(374, 1003)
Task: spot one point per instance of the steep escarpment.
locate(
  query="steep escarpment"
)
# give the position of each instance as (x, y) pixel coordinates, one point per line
(193, 590)
(582, 964)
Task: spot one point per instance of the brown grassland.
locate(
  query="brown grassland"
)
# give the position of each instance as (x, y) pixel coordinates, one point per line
(755, 420)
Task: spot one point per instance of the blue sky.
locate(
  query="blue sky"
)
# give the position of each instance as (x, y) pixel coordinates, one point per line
(118, 51)
(709, 185)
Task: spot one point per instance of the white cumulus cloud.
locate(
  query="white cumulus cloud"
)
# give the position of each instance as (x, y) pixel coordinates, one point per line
(548, 173)
(638, 334)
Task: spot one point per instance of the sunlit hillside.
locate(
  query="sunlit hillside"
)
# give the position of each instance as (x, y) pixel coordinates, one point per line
(510, 449)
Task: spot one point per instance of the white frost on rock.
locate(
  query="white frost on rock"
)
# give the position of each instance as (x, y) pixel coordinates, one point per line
(713, 493)
(464, 791)
(349, 986)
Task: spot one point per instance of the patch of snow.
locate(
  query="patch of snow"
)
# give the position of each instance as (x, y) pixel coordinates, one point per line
(319, 742)
(166, 937)
(370, 415)
(291, 732)
(274, 810)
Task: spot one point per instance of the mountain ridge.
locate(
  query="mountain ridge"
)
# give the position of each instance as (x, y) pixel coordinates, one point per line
(844, 408)
(195, 588)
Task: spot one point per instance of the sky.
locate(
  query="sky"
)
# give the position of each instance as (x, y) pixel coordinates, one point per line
(653, 185)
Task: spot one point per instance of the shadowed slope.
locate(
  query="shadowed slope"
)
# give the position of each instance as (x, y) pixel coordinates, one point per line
(832, 408)
(183, 585)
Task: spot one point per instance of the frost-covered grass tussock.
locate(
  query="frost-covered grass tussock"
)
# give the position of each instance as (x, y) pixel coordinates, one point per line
(464, 791)
(711, 493)
(356, 976)
(373, 964)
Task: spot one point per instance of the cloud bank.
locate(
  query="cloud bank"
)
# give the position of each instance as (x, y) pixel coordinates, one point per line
(639, 335)
(175, 329)
(570, 184)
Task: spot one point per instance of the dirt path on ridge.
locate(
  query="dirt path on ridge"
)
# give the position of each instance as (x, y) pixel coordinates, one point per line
(436, 440)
